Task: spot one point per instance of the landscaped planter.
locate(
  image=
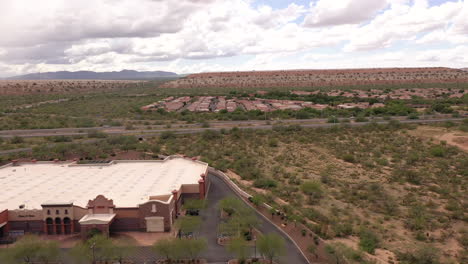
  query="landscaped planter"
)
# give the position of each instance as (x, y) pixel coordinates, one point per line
(225, 240)
(182, 261)
(250, 261)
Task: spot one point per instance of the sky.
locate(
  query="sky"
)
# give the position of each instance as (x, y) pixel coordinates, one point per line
(189, 36)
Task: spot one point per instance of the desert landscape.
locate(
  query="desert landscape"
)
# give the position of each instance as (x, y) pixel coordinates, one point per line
(26, 87)
(319, 78)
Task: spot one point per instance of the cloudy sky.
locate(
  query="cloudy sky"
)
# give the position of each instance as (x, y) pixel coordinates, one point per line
(188, 36)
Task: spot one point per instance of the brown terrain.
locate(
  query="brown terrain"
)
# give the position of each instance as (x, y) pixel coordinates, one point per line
(16, 87)
(317, 78)
(452, 137)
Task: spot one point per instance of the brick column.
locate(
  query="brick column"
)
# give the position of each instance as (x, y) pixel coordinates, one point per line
(63, 228)
(203, 176)
(45, 227)
(174, 193)
(72, 226)
(55, 228)
(201, 187)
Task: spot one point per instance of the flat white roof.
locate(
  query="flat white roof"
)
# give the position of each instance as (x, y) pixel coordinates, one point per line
(127, 183)
(93, 219)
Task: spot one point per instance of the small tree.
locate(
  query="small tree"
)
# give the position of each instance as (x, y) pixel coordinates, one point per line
(230, 205)
(271, 246)
(96, 248)
(249, 220)
(194, 205)
(123, 249)
(168, 248)
(31, 249)
(188, 224)
(368, 241)
(192, 248)
(257, 200)
(313, 189)
(239, 247)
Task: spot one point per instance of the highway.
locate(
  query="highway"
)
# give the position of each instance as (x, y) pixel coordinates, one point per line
(193, 129)
(197, 127)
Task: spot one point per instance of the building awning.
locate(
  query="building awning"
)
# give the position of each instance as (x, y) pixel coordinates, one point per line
(96, 219)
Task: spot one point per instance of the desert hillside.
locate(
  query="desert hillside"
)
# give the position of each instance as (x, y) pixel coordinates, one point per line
(317, 78)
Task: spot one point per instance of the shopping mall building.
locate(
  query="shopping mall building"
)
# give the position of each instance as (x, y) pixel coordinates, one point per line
(69, 197)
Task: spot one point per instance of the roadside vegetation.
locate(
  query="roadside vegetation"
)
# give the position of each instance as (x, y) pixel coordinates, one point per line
(121, 106)
(376, 187)
(372, 192)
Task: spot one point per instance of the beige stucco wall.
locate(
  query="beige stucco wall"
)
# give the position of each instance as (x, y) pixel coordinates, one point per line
(53, 214)
(24, 215)
(79, 212)
(190, 188)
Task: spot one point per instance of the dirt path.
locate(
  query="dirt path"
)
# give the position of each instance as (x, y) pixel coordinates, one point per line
(454, 138)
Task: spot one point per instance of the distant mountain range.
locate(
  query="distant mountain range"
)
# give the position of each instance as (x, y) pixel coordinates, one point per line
(464, 69)
(91, 75)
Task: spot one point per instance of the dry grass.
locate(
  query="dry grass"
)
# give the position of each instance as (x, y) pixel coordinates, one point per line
(318, 78)
(15, 87)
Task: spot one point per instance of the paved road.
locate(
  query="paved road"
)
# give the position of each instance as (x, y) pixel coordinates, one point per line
(219, 190)
(156, 132)
(215, 126)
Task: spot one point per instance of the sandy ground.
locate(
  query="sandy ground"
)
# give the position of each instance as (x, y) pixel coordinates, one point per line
(455, 138)
(381, 256)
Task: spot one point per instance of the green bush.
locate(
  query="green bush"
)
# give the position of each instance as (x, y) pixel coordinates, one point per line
(349, 158)
(368, 240)
(361, 119)
(438, 151)
(16, 140)
(265, 183)
(422, 255)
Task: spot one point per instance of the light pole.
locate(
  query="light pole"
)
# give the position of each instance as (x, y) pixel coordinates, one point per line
(93, 246)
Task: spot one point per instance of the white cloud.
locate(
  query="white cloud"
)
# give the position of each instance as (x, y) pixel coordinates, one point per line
(403, 21)
(198, 35)
(329, 13)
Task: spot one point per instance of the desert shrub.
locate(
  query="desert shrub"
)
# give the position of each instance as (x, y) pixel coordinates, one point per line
(16, 140)
(60, 139)
(422, 255)
(333, 119)
(273, 142)
(417, 217)
(408, 175)
(413, 116)
(96, 134)
(312, 188)
(257, 199)
(167, 135)
(463, 239)
(349, 158)
(437, 151)
(361, 119)
(210, 135)
(368, 240)
(343, 229)
(265, 183)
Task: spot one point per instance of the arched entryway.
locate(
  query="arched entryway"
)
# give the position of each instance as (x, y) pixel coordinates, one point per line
(58, 226)
(50, 226)
(67, 225)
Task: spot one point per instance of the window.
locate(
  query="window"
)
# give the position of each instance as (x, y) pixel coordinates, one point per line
(57, 212)
(66, 211)
(48, 212)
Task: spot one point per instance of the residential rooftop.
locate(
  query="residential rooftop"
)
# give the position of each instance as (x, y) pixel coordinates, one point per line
(127, 183)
